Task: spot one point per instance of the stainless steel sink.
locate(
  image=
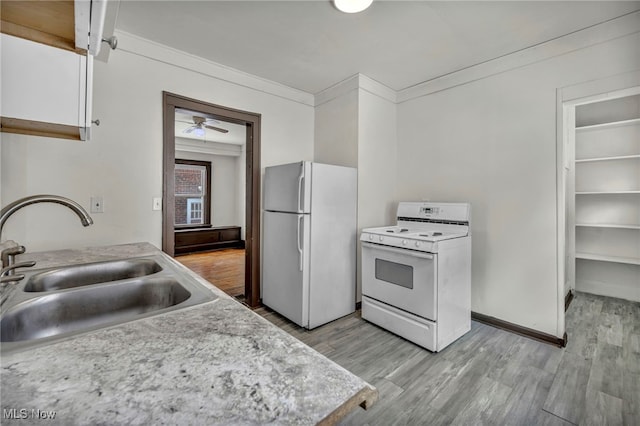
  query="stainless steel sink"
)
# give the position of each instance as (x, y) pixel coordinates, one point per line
(87, 308)
(71, 300)
(91, 273)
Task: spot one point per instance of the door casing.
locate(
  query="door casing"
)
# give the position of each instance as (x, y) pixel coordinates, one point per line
(252, 121)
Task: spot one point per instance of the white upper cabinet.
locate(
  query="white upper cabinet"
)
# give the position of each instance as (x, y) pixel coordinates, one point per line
(47, 66)
(89, 25)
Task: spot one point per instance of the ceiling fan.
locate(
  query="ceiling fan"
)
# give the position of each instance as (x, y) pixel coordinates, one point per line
(200, 124)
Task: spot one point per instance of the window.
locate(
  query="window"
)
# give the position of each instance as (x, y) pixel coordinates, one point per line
(194, 211)
(192, 193)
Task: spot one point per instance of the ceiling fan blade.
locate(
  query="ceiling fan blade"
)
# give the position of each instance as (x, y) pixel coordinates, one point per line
(217, 129)
(189, 129)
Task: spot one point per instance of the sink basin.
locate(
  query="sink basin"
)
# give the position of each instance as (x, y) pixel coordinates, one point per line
(91, 273)
(60, 303)
(66, 312)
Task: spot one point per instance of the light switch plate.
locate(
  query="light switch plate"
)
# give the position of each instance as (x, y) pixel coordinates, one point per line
(157, 203)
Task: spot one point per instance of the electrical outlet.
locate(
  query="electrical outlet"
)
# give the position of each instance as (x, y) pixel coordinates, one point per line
(97, 205)
(157, 203)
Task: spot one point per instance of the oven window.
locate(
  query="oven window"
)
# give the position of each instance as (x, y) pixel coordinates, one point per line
(394, 273)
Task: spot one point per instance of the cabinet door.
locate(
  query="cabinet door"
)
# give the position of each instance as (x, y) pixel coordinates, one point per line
(44, 84)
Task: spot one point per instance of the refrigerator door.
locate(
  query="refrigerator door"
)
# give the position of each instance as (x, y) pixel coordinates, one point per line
(287, 188)
(285, 273)
(332, 277)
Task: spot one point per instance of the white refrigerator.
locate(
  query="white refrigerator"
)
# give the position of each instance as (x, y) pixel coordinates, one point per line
(309, 242)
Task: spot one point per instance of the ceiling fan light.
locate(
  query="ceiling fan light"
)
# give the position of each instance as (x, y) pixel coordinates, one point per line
(352, 6)
(199, 131)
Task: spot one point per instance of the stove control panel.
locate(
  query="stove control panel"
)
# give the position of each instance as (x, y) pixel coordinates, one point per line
(446, 212)
(428, 211)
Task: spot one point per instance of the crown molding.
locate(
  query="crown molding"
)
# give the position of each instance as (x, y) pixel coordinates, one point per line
(376, 88)
(158, 52)
(339, 89)
(356, 81)
(596, 90)
(616, 28)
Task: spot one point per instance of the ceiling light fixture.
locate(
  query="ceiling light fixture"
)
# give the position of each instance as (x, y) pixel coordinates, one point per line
(352, 6)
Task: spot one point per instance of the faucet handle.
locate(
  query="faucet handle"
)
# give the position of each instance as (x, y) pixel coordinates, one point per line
(8, 270)
(11, 278)
(8, 255)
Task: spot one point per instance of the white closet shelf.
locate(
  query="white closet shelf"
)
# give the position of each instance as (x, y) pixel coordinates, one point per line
(606, 258)
(608, 225)
(608, 125)
(620, 157)
(605, 192)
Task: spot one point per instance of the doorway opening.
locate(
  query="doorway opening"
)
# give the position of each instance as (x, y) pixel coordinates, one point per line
(211, 192)
(598, 190)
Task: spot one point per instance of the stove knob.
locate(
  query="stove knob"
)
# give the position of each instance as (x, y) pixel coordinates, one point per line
(417, 243)
(404, 242)
(371, 237)
(381, 238)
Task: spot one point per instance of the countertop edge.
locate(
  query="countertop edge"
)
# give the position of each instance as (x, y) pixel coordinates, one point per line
(365, 398)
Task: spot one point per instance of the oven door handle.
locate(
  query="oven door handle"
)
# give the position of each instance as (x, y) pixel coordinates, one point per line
(406, 252)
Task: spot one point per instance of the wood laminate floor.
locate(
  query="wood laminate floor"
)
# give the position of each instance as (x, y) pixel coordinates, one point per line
(222, 268)
(491, 376)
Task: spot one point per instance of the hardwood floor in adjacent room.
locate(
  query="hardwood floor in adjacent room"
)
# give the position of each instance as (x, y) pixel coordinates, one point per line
(491, 376)
(222, 268)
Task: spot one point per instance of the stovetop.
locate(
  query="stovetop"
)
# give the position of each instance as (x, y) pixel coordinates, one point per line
(417, 233)
(421, 226)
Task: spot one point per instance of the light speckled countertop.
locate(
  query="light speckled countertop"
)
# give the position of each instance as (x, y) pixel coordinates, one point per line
(214, 363)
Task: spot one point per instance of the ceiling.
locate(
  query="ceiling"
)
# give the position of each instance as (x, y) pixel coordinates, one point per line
(310, 45)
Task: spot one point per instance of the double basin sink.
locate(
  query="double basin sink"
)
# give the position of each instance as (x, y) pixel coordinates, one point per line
(57, 303)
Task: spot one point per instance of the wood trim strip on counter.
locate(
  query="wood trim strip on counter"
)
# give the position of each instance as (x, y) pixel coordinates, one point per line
(518, 329)
(365, 398)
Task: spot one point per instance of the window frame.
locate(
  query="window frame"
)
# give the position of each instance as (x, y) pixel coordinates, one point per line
(206, 222)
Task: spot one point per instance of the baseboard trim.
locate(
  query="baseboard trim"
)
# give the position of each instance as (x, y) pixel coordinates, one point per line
(522, 331)
(567, 300)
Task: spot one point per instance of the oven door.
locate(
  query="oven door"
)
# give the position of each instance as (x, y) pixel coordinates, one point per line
(405, 279)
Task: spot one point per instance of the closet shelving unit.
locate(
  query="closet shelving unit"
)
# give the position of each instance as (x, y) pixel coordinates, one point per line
(607, 197)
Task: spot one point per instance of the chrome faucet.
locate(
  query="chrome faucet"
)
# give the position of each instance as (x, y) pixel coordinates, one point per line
(7, 275)
(8, 255)
(10, 209)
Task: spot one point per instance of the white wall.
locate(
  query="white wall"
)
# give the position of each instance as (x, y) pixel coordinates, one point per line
(225, 188)
(336, 130)
(355, 126)
(123, 161)
(492, 142)
(377, 165)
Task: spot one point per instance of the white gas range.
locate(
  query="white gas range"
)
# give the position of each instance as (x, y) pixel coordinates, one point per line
(416, 275)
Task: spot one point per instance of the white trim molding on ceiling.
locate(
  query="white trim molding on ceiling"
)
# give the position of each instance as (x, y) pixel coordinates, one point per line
(158, 52)
(613, 29)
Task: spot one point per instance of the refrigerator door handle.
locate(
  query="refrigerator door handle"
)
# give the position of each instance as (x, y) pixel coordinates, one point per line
(300, 179)
(300, 220)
